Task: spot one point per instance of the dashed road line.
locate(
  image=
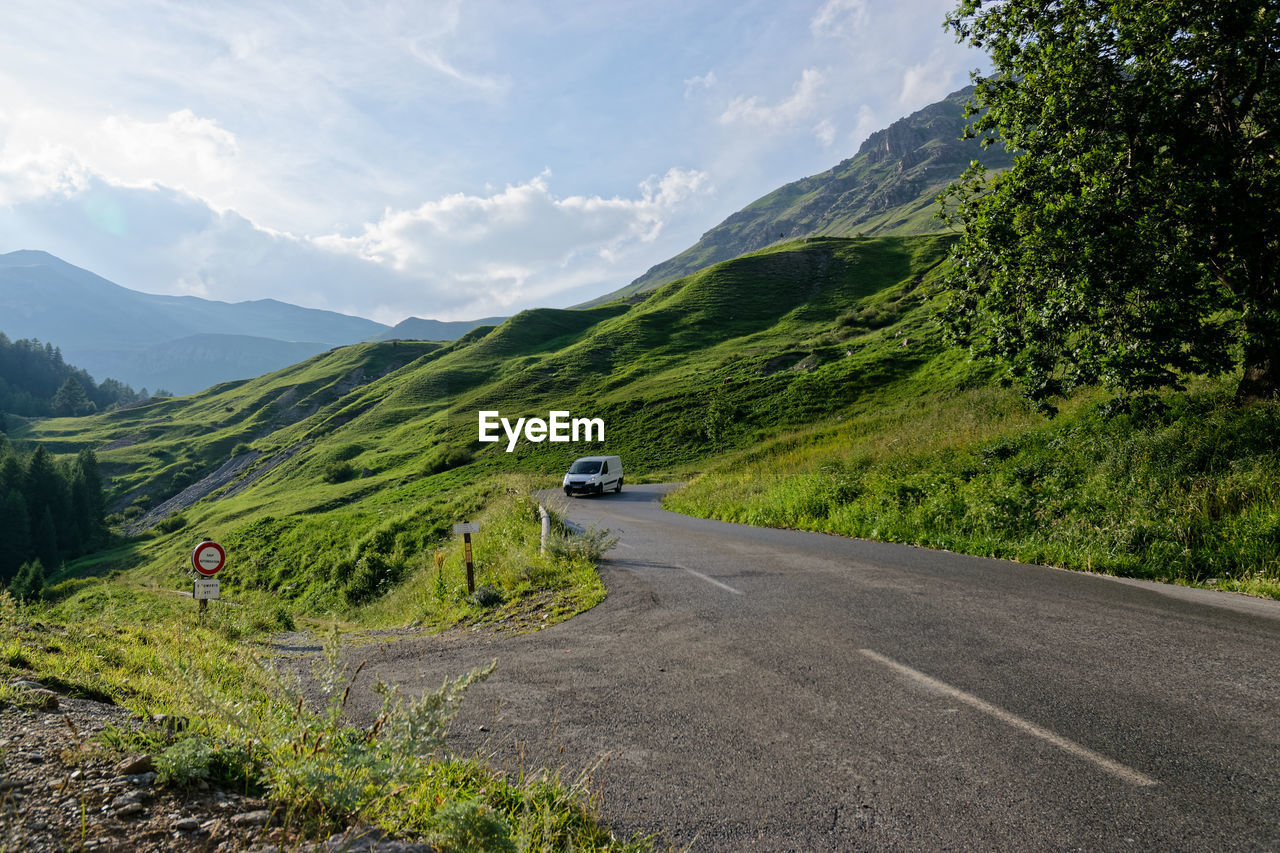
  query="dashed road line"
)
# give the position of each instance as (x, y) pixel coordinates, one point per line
(1115, 768)
(711, 580)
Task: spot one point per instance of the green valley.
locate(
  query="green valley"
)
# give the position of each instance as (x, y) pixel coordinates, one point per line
(807, 385)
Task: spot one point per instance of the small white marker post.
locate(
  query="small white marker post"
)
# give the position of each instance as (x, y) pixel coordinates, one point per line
(466, 528)
(207, 559)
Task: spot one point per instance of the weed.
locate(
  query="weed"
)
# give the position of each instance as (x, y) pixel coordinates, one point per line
(196, 759)
(318, 764)
(590, 545)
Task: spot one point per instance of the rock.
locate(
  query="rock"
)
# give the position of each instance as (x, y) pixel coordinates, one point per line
(261, 817)
(23, 684)
(187, 824)
(130, 810)
(141, 780)
(370, 840)
(135, 765)
(171, 722)
(34, 695)
(127, 798)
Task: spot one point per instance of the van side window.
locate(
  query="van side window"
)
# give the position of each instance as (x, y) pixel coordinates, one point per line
(605, 470)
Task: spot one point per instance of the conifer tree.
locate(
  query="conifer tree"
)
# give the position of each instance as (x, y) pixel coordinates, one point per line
(15, 534)
(44, 538)
(28, 584)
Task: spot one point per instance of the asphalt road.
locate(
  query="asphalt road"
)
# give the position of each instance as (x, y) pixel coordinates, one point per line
(745, 688)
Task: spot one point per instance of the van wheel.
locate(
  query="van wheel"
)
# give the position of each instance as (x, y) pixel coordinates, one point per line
(618, 487)
(568, 493)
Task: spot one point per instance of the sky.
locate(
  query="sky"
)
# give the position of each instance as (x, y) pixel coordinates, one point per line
(443, 159)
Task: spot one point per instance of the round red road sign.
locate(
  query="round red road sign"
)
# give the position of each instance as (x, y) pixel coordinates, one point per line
(208, 558)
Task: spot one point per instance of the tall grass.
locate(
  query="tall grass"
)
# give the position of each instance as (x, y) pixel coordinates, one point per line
(244, 726)
(1189, 493)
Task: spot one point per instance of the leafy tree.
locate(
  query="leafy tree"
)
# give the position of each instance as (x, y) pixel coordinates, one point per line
(71, 400)
(87, 501)
(15, 534)
(36, 382)
(44, 538)
(28, 583)
(1136, 238)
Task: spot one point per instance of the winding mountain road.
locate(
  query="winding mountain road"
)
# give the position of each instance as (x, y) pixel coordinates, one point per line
(744, 688)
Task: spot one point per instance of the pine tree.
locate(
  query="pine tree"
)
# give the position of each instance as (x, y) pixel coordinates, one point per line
(28, 584)
(44, 538)
(15, 534)
(86, 499)
(71, 400)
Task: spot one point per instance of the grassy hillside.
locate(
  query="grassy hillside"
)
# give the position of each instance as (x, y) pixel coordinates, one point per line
(804, 365)
(336, 479)
(889, 187)
(804, 385)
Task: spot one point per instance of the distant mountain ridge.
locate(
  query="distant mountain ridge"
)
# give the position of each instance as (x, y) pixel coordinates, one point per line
(418, 329)
(888, 187)
(180, 343)
(45, 297)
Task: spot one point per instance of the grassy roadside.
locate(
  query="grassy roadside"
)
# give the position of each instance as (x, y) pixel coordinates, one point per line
(127, 637)
(1185, 492)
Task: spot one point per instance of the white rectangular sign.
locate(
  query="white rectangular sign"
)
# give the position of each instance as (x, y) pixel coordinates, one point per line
(467, 527)
(206, 588)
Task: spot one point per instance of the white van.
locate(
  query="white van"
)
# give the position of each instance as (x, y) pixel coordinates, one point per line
(593, 475)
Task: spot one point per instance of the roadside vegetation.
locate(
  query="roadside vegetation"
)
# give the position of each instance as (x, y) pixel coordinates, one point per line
(1184, 491)
(129, 638)
(823, 383)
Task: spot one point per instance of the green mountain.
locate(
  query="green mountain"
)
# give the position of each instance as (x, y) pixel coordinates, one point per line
(418, 329)
(741, 350)
(804, 385)
(888, 187)
(112, 331)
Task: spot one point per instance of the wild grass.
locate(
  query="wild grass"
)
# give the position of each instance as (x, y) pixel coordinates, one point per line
(806, 385)
(244, 726)
(1189, 493)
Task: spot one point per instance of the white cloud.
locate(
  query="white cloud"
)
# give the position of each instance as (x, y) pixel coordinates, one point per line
(183, 151)
(804, 96)
(457, 256)
(509, 245)
(867, 123)
(837, 18)
(928, 81)
(825, 131)
(701, 81)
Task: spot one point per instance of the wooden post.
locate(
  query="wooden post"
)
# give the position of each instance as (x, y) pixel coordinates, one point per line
(471, 575)
(546, 526)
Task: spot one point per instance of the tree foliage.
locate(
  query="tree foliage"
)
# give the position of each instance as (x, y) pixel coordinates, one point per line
(1136, 238)
(36, 382)
(49, 511)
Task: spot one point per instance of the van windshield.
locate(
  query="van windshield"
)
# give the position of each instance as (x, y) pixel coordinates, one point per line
(586, 466)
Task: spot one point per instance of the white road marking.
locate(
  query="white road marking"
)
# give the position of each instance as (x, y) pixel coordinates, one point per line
(625, 545)
(1115, 768)
(712, 580)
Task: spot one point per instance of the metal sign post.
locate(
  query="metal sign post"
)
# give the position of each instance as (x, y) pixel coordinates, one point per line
(466, 529)
(207, 559)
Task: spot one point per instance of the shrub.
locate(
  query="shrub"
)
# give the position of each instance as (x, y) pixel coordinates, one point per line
(445, 458)
(373, 573)
(177, 521)
(28, 584)
(487, 595)
(588, 545)
(472, 825)
(198, 759)
(338, 471)
(320, 764)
